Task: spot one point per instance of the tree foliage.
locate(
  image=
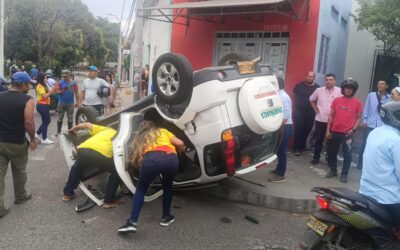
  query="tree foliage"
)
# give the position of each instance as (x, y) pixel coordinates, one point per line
(382, 19)
(57, 33)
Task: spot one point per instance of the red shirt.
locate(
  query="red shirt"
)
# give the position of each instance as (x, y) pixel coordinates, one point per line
(346, 111)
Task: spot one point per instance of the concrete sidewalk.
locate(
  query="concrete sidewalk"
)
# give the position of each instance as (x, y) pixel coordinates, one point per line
(294, 194)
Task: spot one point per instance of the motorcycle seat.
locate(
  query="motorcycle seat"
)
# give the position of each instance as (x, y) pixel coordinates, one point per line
(368, 202)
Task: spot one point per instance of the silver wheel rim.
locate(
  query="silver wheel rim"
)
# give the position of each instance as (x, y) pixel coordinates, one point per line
(82, 118)
(168, 79)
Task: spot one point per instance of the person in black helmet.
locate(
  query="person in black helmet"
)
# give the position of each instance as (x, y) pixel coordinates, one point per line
(344, 119)
(380, 177)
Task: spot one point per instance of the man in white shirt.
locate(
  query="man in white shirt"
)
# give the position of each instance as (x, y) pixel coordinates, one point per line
(88, 96)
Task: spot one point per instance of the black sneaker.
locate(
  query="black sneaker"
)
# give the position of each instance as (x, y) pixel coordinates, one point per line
(273, 171)
(128, 227)
(165, 222)
(343, 179)
(4, 211)
(27, 198)
(314, 161)
(331, 174)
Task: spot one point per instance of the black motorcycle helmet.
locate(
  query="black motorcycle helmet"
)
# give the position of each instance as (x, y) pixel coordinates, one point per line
(390, 114)
(350, 83)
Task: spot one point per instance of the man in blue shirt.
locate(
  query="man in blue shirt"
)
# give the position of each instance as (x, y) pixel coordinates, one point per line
(278, 174)
(380, 177)
(371, 118)
(66, 90)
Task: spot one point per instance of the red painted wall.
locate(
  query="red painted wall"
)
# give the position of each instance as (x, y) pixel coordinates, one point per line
(196, 41)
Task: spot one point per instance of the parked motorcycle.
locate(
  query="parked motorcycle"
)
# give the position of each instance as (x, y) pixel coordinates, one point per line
(348, 220)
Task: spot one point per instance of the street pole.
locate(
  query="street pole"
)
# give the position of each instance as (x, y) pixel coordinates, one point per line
(119, 54)
(137, 51)
(2, 37)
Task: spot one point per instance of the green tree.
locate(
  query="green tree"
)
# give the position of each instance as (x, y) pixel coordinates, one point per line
(56, 32)
(382, 19)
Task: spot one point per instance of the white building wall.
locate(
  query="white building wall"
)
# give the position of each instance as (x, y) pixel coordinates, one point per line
(156, 38)
(334, 25)
(360, 56)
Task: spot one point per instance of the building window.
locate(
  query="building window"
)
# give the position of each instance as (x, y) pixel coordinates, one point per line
(335, 13)
(343, 23)
(323, 54)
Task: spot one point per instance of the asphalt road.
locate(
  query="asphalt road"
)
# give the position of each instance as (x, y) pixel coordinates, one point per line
(46, 222)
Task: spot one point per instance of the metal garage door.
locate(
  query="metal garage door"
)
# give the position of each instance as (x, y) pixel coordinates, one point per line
(271, 46)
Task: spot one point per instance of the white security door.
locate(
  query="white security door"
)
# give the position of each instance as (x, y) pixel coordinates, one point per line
(275, 54)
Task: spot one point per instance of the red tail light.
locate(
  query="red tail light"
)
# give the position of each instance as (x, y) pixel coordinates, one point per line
(322, 202)
(229, 151)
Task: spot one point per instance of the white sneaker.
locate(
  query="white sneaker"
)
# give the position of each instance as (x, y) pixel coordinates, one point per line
(38, 137)
(47, 141)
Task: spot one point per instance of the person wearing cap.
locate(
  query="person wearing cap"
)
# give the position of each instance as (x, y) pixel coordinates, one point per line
(66, 90)
(34, 72)
(50, 81)
(88, 96)
(16, 119)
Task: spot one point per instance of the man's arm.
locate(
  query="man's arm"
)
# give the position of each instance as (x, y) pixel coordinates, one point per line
(84, 125)
(29, 122)
(81, 98)
(366, 110)
(329, 125)
(314, 100)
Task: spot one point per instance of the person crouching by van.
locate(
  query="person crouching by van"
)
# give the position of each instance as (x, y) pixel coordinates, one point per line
(278, 174)
(154, 151)
(95, 152)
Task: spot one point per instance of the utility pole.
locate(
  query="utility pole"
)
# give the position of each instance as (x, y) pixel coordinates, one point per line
(137, 47)
(119, 47)
(2, 37)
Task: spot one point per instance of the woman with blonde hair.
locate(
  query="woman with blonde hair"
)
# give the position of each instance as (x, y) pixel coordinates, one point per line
(154, 152)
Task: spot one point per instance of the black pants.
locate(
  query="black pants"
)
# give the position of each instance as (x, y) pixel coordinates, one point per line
(88, 158)
(320, 130)
(394, 211)
(366, 132)
(303, 124)
(337, 140)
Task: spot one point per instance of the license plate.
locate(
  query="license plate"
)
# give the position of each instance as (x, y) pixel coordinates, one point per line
(246, 68)
(317, 225)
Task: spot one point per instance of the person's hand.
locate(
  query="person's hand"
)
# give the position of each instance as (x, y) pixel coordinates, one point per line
(317, 110)
(350, 132)
(181, 148)
(32, 145)
(328, 135)
(76, 105)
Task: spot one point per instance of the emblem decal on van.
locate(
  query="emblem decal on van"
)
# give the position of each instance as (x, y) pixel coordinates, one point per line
(271, 113)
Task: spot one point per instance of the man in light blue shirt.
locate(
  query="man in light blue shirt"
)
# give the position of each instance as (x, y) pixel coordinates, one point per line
(278, 174)
(371, 118)
(380, 177)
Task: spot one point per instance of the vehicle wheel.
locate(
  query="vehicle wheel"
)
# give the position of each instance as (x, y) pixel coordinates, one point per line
(231, 59)
(86, 114)
(173, 78)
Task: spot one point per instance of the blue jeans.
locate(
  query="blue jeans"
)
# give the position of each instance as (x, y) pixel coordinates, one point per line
(154, 164)
(282, 157)
(43, 110)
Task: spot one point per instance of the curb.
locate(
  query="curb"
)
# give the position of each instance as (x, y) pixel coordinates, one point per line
(303, 206)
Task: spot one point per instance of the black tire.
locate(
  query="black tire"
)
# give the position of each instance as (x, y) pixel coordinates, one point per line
(86, 114)
(230, 59)
(171, 67)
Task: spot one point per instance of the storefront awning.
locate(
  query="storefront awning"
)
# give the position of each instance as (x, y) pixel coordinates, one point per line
(211, 9)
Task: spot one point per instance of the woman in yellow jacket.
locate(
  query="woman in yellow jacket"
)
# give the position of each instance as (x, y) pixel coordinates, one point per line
(42, 106)
(154, 150)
